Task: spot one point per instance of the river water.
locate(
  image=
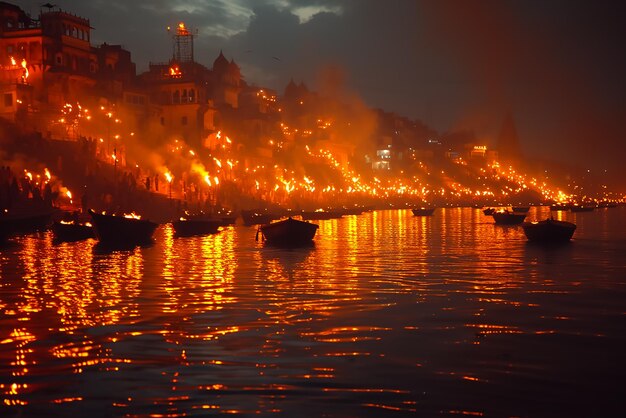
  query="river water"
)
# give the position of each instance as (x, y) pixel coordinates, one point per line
(388, 314)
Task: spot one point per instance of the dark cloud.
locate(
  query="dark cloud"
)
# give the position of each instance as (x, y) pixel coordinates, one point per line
(558, 65)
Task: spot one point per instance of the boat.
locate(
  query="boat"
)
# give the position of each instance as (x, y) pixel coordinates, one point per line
(521, 209)
(198, 225)
(127, 229)
(258, 217)
(549, 231)
(423, 211)
(13, 224)
(506, 217)
(289, 232)
(72, 230)
(489, 211)
(321, 214)
(352, 210)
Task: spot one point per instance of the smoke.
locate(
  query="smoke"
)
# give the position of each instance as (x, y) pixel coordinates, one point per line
(354, 122)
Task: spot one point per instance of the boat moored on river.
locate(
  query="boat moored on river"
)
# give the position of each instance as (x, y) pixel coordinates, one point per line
(549, 231)
(72, 230)
(423, 211)
(506, 217)
(198, 225)
(288, 232)
(127, 229)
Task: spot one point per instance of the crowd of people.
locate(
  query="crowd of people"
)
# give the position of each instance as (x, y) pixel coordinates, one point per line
(19, 190)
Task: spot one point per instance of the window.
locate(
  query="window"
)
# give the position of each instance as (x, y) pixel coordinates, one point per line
(192, 96)
(8, 99)
(176, 99)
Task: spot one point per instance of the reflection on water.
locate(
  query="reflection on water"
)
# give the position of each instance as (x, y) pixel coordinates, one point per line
(386, 314)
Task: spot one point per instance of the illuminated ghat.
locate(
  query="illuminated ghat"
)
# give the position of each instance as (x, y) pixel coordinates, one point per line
(204, 137)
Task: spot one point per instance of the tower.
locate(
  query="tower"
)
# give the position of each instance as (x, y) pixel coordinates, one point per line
(182, 42)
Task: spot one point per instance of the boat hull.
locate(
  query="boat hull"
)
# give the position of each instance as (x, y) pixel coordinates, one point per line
(119, 230)
(290, 232)
(72, 231)
(549, 231)
(423, 211)
(10, 225)
(190, 227)
(508, 218)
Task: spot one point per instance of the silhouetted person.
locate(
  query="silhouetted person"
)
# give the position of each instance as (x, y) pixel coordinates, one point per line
(47, 195)
(84, 202)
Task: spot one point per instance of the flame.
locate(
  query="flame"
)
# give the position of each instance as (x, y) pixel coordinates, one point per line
(169, 177)
(175, 71)
(182, 30)
(132, 215)
(68, 194)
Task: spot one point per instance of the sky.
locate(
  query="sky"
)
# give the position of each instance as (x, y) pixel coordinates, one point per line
(558, 66)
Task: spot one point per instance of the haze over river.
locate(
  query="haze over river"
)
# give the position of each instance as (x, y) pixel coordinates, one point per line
(387, 314)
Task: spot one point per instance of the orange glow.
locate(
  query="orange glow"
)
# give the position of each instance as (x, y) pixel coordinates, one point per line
(175, 71)
(182, 30)
(25, 67)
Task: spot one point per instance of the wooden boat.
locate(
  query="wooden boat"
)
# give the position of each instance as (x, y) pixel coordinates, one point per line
(352, 210)
(72, 230)
(320, 215)
(521, 209)
(289, 232)
(549, 231)
(258, 217)
(489, 211)
(196, 226)
(12, 224)
(122, 230)
(508, 218)
(423, 211)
